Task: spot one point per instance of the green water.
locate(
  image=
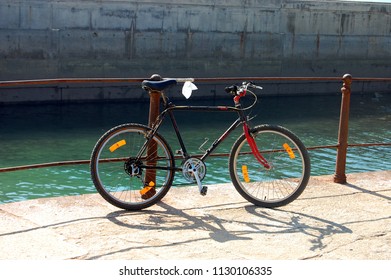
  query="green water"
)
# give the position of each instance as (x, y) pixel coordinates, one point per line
(49, 133)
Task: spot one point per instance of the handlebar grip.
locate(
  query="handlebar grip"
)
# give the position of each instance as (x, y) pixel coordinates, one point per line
(251, 84)
(231, 90)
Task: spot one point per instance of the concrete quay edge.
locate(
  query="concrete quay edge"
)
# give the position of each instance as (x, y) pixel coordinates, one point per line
(328, 221)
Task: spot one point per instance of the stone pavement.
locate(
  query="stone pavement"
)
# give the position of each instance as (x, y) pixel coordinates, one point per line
(329, 221)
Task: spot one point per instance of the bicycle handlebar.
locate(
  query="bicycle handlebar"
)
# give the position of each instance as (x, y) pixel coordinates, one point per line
(241, 90)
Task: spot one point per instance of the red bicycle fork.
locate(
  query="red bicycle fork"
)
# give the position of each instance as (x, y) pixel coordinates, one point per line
(254, 148)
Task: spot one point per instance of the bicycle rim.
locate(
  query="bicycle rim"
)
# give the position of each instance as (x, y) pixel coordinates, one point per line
(120, 178)
(289, 172)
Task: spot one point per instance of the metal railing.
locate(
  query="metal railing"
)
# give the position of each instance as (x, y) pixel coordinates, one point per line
(341, 146)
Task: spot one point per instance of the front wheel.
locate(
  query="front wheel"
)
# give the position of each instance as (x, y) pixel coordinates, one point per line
(130, 172)
(289, 170)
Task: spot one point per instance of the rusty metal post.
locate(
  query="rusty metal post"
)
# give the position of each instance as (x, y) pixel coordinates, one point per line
(340, 166)
(154, 110)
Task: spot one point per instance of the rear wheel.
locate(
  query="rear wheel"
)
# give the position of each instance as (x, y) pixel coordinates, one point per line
(289, 170)
(126, 180)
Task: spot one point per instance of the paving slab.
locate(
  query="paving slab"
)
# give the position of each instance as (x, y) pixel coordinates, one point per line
(329, 221)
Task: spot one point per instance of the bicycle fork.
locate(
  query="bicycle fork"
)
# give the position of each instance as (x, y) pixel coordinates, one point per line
(254, 148)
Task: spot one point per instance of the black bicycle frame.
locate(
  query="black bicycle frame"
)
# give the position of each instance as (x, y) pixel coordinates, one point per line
(170, 111)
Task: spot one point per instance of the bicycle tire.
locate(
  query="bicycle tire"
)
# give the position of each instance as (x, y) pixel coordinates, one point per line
(288, 175)
(113, 175)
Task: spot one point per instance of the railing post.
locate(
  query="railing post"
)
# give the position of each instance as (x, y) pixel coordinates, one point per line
(340, 166)
(154, 110)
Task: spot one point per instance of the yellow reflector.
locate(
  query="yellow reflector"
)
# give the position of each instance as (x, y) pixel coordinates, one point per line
(117, 145)
(245, 173)
(289, 151)
(147, 188)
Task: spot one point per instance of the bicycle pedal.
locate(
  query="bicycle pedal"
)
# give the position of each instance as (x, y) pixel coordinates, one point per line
(147, 192)
(204, 190)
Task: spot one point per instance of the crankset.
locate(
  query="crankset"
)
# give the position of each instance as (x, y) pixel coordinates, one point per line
(194, 170)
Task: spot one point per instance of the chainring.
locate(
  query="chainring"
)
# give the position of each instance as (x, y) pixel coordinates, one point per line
(191, 165)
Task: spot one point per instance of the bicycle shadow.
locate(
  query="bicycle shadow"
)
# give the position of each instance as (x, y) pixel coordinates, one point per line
(173, 219)
(319, 229)
(218, 227)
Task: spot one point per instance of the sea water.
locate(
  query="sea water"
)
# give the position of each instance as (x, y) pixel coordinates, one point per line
(33, 134)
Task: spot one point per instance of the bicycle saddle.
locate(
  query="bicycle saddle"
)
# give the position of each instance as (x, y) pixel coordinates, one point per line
(158, 85)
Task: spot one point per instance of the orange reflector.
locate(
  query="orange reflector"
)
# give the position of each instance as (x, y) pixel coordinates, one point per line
(289, 151)
(245, 173)
(117, 145)
(147, 188)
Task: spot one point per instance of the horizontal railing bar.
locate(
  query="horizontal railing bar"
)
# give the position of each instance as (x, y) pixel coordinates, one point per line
(78, 162)
(69, 81)
(372, 79)
(369, 145)
(138, 80)
(267, 79)
(43, 165)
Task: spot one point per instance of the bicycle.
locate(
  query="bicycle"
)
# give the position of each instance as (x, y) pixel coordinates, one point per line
(133, 166)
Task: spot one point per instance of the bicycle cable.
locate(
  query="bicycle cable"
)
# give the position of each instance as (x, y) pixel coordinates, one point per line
(253, 104)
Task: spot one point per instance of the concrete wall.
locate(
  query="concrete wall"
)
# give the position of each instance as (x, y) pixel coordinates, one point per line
(206, 38)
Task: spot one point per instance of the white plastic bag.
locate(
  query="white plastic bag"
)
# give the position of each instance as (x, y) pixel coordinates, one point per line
(188, 88)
